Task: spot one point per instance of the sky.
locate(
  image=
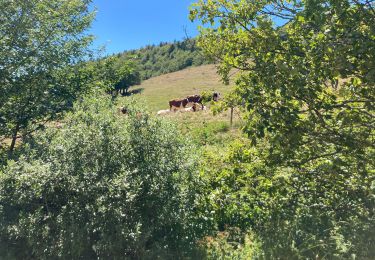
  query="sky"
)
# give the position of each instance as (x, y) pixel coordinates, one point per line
(130, 24)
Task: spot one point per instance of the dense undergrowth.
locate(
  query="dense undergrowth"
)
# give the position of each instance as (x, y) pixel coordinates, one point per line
(103, 185)
(136, 186)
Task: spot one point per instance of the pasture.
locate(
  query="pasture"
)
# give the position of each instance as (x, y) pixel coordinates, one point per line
(159, 90)
(203, 127)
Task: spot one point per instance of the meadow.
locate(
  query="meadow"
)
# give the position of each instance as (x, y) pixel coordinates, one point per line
(204, 127)
(159, 90)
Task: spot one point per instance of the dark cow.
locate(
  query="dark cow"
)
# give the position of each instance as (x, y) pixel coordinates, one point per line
(195, 99)
(198, 98)
(178, 103)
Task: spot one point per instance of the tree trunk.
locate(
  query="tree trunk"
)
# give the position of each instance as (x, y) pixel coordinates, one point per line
(14, 139)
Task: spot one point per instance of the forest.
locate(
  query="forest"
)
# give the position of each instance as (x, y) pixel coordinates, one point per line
(89, 171)
(155, 60)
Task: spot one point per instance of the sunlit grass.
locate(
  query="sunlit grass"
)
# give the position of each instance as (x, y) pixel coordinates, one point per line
(159, 90)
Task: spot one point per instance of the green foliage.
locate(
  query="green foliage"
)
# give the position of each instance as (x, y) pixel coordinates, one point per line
(293, 214)
(165, 58)
(230, 245)
(306, 185)
(206, 96)
(113, 74)
(42, 44)
(104, 185)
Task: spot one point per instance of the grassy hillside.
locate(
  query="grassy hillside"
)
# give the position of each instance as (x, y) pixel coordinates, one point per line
(157, 91)
(206, 129)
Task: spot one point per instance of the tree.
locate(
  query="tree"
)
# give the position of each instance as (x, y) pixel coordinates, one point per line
(128, 76)
(115, 75)
(42, 44)
(307, 78)
(103, 186)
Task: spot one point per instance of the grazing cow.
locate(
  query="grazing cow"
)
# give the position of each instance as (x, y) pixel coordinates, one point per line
(178, 102)
(163, 112)
(195, 99)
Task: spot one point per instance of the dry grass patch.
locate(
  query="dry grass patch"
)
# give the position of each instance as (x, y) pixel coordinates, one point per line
(159, 90)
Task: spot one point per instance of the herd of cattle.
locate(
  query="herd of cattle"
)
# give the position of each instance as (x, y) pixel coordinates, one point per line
(181, 103)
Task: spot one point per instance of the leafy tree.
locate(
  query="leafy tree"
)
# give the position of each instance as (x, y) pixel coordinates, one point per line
(128, 76)
(103, 186)
(41, 46)
(308, 88)
(116, 76)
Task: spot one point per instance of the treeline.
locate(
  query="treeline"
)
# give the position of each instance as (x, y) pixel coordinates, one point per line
(129, 68)
(155, 60)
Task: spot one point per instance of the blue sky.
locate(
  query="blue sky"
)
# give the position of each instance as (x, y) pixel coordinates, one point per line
(130, 24)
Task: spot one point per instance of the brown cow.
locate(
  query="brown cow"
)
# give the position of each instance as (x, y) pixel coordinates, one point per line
(178, 103)
(195, 99)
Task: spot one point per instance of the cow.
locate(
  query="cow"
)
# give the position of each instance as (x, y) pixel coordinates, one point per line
(199, 108)
(178, 102)
(194, 107)
(190, 109)
(198, 98)
(186, 109)
(195, 99)
(163, 112)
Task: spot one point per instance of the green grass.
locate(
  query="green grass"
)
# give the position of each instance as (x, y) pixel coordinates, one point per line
(206, 129)
(202, 127)
(159, 90)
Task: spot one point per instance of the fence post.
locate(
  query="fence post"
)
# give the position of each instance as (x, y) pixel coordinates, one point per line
(231, 116)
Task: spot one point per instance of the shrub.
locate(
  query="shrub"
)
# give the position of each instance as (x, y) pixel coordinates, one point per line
(232, 244)
(102, 186)
(323, 211)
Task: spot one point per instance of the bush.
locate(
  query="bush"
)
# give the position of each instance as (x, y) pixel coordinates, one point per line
(322, 211)
(103, 186)
(232, 244)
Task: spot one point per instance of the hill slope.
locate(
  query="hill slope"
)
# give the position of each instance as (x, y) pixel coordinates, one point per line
(157, 91)
(155, 60)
